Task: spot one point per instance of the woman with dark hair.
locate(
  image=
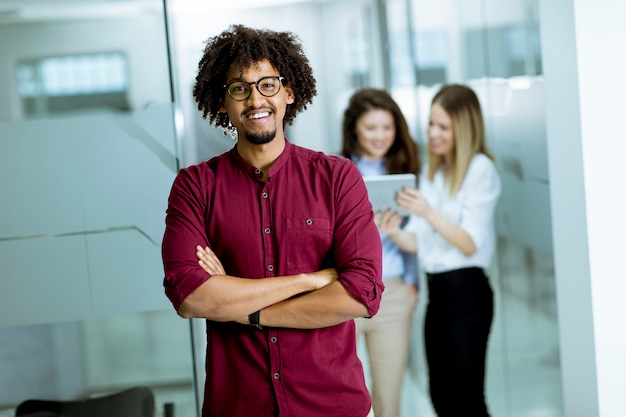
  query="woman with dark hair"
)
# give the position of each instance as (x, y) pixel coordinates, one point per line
(376, 138)
(453, 218)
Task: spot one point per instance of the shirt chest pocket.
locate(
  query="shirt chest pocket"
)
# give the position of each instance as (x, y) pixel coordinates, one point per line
(308, 242)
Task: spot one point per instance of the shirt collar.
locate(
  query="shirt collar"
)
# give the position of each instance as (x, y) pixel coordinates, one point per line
(367, 167)
(255, 173)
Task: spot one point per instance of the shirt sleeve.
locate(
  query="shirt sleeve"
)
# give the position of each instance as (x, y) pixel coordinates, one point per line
(184, 229)
(356, 241)
(481, 189)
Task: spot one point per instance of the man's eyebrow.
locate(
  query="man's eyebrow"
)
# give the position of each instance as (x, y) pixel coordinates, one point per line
(234, 79)
(241, 78)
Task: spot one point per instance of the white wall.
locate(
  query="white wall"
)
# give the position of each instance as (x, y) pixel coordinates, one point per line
(601, 35)
(584, 67)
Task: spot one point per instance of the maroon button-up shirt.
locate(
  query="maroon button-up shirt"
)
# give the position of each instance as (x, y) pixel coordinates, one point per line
(311, 213)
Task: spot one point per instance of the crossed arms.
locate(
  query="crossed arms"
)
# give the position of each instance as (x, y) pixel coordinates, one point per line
(306, 297)
(306, 301)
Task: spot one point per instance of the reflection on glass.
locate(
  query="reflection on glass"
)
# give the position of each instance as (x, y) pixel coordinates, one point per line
(359, 50)
(69, 360)
(513, 50)
(73, 82)
(431, 57)
(87, 156)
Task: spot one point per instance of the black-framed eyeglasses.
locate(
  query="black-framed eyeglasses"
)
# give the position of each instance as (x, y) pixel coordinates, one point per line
(267, 86)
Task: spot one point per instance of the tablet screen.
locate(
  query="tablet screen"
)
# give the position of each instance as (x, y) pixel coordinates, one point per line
(382, 190)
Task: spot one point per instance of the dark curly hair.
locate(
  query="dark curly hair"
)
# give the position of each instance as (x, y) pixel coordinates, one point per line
(403, 156)
(244, 46)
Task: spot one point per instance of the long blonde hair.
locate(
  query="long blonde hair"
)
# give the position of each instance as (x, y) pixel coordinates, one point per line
(463, 107)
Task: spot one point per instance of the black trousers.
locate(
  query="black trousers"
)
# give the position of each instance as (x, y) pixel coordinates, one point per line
(456, 331)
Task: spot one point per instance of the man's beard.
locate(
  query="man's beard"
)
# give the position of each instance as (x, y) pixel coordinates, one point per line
(260, 138)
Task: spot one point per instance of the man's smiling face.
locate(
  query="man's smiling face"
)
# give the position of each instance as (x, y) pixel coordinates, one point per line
(258, 119)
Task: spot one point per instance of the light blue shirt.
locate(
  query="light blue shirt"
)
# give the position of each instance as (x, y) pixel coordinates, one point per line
(393, 260)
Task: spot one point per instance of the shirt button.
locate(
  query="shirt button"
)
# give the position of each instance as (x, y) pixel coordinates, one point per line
(274, 339)
(309, 222)
(257, 171)
(270, 267)
(264, 195)
(267, 230)
(276, 375)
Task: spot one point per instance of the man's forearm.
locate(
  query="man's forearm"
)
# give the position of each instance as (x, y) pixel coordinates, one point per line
(325, 307)
(228, 298)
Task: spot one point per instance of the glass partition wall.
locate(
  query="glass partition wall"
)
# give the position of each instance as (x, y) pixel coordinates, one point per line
(88, 153)
(495, 49)
(91, 138)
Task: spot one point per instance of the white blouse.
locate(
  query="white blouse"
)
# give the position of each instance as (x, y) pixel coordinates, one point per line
(472, 208)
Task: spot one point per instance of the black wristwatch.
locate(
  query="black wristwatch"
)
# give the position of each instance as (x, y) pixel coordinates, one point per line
(255, 319)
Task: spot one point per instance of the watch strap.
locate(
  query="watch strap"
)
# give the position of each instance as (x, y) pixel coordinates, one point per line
(255, 319)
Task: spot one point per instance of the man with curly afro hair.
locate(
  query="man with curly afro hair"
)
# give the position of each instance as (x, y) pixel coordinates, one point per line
(274, 245)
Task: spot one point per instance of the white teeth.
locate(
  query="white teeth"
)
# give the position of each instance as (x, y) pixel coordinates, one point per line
(258, 115)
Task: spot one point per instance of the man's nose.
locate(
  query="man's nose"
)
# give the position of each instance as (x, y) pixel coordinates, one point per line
(255, 95)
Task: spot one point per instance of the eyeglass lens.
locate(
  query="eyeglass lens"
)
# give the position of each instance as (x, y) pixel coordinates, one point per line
(267, 86)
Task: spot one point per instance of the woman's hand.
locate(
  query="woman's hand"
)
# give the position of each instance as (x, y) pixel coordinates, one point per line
(388, 222)
(414, 202)
(209, 261)
(413, 291)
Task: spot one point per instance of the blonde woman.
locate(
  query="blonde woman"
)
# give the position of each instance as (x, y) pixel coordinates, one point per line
(453, 218)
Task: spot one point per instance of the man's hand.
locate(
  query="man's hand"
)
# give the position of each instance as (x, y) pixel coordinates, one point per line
(212, 265)
(324, 277)
(209, 261)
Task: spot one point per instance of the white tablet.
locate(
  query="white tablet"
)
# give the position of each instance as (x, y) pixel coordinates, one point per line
(382, 190)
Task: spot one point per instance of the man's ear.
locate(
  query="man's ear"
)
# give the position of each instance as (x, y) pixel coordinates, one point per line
(290, 96)
(222, 108)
